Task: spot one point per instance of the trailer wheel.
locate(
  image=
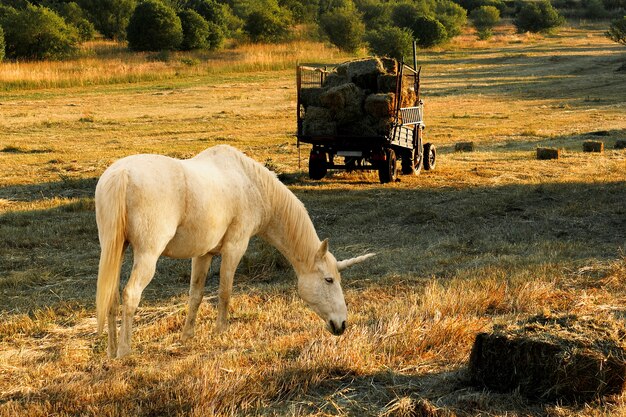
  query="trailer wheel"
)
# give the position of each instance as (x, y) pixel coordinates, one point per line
(317, 165)
(387, 169)
(430, 156)
(412, 162)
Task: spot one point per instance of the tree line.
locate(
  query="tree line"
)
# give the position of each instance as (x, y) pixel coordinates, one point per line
(53, 29)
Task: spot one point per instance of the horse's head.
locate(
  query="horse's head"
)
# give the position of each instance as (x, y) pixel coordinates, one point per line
(320, 288)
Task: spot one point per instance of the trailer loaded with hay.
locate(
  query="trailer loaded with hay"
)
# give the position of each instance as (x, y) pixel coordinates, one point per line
(363, 115)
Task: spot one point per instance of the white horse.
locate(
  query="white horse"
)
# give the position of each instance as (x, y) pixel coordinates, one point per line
(196, 208)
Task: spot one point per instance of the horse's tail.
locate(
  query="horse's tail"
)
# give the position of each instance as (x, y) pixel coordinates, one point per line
(111, 219)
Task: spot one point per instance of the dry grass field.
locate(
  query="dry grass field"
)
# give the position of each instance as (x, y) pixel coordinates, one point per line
(488, 237)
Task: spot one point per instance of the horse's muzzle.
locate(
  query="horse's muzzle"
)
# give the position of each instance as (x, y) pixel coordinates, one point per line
(335, 329)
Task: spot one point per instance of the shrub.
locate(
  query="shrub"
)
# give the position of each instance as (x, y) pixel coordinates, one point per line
(344, 29)
(393, 41)
(484, 19)
(404, 14)
(470, 5)
(538, 17)
(110, 17)
(594, 9)
(195, 30)
(75, 16)
(38, 33)
(428, 31)
(452, 16)
(266, 26)
(154, 26)
(375, 15)
(215, 38)
(1, 44)
(210, 10)
(617, 31)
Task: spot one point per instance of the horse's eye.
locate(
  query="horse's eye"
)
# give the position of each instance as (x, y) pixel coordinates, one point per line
(329, 280)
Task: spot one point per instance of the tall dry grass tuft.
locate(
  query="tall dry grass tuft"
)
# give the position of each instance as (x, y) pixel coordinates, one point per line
(106, 62)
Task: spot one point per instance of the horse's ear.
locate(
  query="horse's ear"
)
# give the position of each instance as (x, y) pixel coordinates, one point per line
(321, 252)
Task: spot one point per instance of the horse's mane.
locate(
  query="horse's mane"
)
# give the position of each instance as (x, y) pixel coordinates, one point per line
(286, 207)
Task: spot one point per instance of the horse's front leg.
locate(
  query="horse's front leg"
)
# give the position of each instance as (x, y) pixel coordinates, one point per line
(144, 267)
(231, 255)
(199, 269)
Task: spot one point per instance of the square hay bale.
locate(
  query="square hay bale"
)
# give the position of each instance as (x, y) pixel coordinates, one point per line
(363, 72)
(548, 153)
(620, 144)
(311, 96)
(318, 121)
(564, 358)
(390, 65)
(409, 96)
(386, 83)
(380, 105)
(593, 146)
(345, 102)
(464, 147)
(333, 79)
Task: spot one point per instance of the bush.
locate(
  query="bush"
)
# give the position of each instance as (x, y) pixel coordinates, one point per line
(452, 16)
(38, 33)
(393, 41)
(375, 15)
(154, 26)
(266, 26)
(538, 17)
(428, 31)
(75, 16)
(404, 14)
(484, 19)
(1, 44)
(210, 10)
(110, 17)
(617, 31)
(195, 30)
(594, 9)
(344, 29)
(470, 5)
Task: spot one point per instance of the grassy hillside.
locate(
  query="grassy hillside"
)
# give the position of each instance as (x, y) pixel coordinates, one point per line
(487, 237)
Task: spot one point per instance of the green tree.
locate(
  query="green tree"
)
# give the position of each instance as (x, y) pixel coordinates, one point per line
(393, 42)
(110, 17)
(75, 16)
(617, 31)
(1, 44)
(428, 31)
(195, 30)
(154, 26)
(538, 17)
(210, 10)
(38, 33)
(404, 14)
(484, 19)
(452, 16)
(375, 14)
(344, 29)
(267, 26)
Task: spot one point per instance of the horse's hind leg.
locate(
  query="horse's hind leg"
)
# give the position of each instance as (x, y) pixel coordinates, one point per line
(199, 269)
(144, 266)
(112, 321)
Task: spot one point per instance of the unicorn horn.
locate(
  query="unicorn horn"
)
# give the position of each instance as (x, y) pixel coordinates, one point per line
(341, 265)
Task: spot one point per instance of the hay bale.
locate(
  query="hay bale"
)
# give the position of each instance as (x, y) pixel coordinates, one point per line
(548, 153)
(345, 103)
(593, 146)
(311, 96)
(386, 83)
(409, 96)
(390, 65)
(380, 105)
(464, 147)
(363, 72)
(620, 144)
(318, 121)
(333, 79)
(565, 358)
